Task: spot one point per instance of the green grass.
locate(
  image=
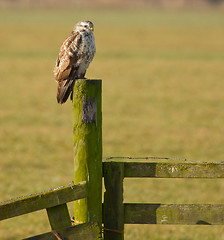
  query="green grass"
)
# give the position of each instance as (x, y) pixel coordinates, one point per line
(163, 95)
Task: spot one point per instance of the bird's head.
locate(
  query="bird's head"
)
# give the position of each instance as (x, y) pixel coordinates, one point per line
(86, 26)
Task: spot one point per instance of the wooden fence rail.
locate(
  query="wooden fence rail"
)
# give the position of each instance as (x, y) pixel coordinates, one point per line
(173, 170)
(44, 200)
(86, 231)
(185, 214)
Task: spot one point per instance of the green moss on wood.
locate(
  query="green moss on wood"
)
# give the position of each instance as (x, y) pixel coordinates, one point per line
(87, 231)
(173, 170)
(187, 214)
(59, 216)
(113, 201)
(38, 201)
(87, 132)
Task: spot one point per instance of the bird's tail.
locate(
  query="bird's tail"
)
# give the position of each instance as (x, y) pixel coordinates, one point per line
(64, 90)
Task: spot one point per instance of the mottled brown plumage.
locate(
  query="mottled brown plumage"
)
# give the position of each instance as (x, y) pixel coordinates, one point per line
(76, 53)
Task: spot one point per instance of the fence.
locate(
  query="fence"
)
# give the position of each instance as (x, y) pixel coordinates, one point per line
(54, 201)
(117, 213)
(89, 171)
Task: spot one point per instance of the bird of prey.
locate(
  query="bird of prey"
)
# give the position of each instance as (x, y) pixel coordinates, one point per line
(75, 55)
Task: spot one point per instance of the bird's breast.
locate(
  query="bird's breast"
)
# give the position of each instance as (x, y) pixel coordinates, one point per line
(88, 44)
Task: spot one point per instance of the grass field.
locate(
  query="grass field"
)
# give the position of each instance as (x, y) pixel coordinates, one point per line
(163, 81)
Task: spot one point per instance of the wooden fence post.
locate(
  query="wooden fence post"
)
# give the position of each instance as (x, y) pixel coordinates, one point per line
(87, 132)
(113, 209)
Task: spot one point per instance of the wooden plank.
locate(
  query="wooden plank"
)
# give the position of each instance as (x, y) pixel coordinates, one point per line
(113, 207)
(35, 202)
(59, 216)
(87, 135)
(187, 214)
(173, 170)
(84, 231)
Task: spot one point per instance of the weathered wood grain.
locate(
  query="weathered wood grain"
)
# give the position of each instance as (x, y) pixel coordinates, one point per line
(47, 199)
(173, 170)
(113, 202)
(59, 217)
(186, 214)
(87, 132)
(86, 231)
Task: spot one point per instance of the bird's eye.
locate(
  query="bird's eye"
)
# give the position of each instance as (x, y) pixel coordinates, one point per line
(85, 26)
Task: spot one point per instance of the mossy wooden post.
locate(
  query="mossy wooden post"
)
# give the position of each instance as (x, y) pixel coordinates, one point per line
(113, 209)
(87, 131)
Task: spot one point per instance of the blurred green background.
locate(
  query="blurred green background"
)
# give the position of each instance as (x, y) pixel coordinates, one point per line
(163, 81)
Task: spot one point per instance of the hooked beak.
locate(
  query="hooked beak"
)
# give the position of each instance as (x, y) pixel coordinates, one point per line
(91, 28)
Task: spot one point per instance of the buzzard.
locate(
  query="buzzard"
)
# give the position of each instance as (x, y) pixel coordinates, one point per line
(76, 53)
